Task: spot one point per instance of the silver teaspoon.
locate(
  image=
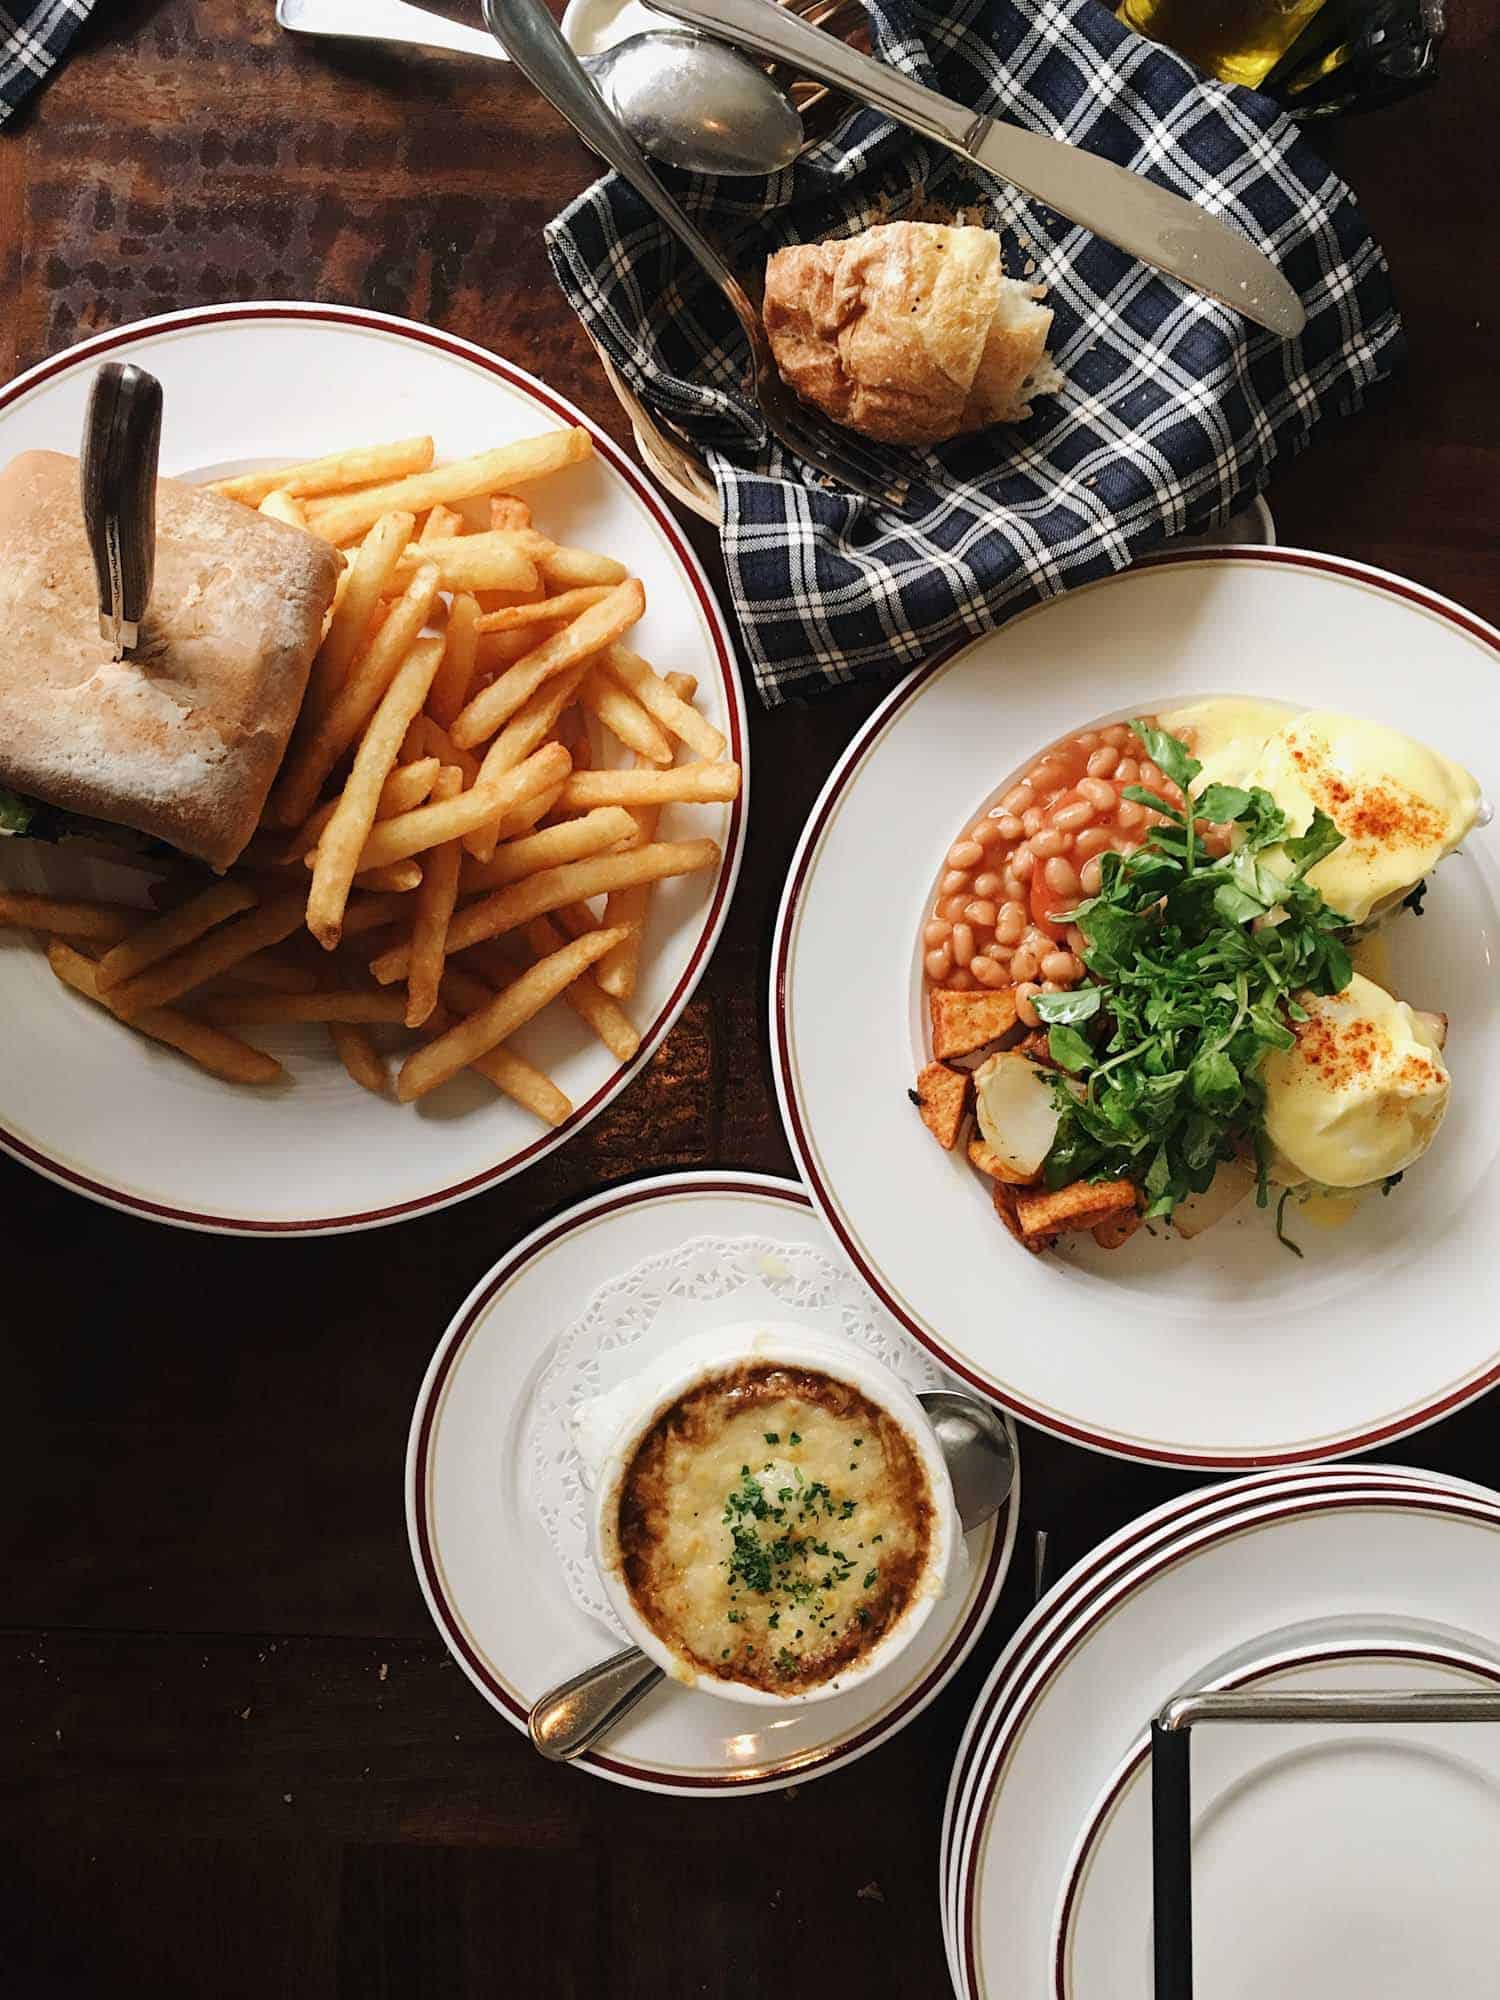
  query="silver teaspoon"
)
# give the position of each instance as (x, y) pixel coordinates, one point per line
(685, 99)
(976, 1448)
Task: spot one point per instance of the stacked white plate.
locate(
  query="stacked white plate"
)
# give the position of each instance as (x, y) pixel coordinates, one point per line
(1329, 1859)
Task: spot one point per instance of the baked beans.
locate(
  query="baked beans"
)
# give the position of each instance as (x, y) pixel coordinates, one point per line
(1018, 868)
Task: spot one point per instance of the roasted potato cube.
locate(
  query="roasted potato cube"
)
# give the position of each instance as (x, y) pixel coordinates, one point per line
(1049, 1211)
(1005, 1207)
(1117, 1228)
(942, 1097)
(963, 1022)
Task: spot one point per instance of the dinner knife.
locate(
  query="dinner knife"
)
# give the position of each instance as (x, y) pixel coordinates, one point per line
(117, 477)
(1162, 229)
(388, 21)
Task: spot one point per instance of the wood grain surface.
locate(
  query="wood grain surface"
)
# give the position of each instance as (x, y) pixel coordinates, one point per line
(236, 1756)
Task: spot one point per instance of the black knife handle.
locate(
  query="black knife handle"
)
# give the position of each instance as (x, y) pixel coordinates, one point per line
(121, 447)
(1171, 1862)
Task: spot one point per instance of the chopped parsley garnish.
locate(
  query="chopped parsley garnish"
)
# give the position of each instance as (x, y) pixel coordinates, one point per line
(870, 1576)
(793, 1438)
(773, 1437)
(1198, 961)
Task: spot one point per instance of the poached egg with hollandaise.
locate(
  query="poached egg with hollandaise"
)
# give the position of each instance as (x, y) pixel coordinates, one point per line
(1361, 1093)
(1400, 806)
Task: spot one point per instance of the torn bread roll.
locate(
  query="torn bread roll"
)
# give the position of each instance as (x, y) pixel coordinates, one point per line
(182, 740)
(909, 332)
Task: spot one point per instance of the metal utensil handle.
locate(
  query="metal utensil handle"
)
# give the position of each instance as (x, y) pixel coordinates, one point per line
(117, 473)
(574, 1715)
(1171, 1786)
(1122, 206)
(387, 21)
(773, 31)
(536, 47)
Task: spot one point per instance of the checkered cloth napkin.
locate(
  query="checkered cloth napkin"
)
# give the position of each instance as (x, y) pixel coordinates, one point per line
(33, 40)
(1173, 408)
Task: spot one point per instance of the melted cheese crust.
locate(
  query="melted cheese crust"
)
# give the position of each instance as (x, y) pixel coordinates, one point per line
(772, 1526)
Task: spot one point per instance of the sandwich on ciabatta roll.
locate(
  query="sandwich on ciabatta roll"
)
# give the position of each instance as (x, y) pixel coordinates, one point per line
(179, 741)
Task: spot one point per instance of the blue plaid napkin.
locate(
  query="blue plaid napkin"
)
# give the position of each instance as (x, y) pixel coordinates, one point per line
(1173, 410)
(33, 40)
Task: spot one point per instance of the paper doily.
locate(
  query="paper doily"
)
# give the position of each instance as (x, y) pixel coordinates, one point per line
(706, 1282)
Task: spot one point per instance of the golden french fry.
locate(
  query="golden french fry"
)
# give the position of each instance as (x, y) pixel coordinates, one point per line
(397, 877)
(369, 577)
(570, 840)
(359, 1056)
(619, 970)
(172, 932)
(340, 520)
(520, 1080)
(605, 1016)
(480, 1032)
(566, 569)
(372, 910)
(689, 784)
(473, 562)
(544, 610)
(442, 746)
(441, 523)
(356, 701)
(340, 469)
(243, 1010)
(507, 909)
(430, 825)
(270, 974)
(92, 923)
(407, 787)
(450, 687)
(279, 506)
(233, 1060)
(528, 813)
(480, 841)
(220, 951)
(342, 844)
(434, 907)
(508, 511)
(592, 630)
(623, 716)
(656, 696)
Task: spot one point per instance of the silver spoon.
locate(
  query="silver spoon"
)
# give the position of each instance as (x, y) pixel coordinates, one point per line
(685, 99)
(976, 1448)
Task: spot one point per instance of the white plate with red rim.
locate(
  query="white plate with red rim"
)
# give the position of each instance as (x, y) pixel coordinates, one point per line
(491, 1577)
(1078, 1596)
(1225, 1352)
(1058, 1724)
(115, 1117)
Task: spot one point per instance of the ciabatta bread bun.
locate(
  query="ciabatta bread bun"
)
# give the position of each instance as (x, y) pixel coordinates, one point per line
(909, 332)
(181, 741)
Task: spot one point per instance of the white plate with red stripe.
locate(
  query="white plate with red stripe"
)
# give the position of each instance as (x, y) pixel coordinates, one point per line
(1375, 1576)
(493, 1579)
(95, 1107)
(1226, 1352)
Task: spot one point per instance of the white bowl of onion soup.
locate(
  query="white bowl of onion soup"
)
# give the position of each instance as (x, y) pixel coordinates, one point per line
(773, 1517)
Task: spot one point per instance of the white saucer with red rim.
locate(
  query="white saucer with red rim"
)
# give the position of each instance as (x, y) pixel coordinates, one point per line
(491, 1576)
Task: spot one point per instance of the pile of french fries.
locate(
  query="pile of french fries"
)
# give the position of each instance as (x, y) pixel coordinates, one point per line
(437, 825)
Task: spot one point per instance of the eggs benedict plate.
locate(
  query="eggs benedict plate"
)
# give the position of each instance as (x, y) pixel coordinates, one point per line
(920, 952)
(1149, 949)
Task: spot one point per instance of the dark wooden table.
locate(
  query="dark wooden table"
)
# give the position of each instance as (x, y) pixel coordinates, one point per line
(236, 1757)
